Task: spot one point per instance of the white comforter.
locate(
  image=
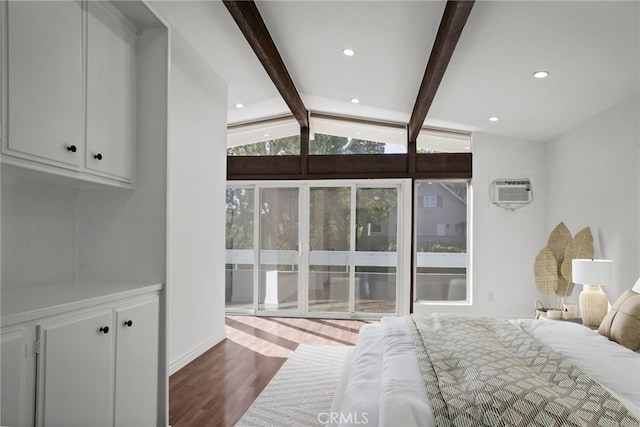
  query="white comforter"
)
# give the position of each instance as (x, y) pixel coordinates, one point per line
(382, 384)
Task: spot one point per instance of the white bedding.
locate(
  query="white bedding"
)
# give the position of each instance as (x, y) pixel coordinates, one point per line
(382, 384)
(614, 366)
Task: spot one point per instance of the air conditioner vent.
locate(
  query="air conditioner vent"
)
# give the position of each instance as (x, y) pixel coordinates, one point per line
(511, 193)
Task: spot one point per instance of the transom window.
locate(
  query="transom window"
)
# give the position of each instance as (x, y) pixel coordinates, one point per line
(330, 135)
(276, 137)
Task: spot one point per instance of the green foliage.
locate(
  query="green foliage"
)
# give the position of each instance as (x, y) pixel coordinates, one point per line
(289, 145)
(328, 144)
(239, 218)
(360, 146)
(375, 206)
(279, 219)
(332, 144)
(331, 219)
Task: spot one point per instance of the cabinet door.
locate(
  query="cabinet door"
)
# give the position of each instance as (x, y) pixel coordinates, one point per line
(45, 120)
(76, 371)
(110, 93)
(137, 364)
(14, 384)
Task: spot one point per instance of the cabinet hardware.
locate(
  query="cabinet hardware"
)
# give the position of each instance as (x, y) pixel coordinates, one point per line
(104, 329)
(97, 156)
(71, 148)
(128, 323)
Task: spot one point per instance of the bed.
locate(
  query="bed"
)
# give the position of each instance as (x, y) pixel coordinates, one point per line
(450, 370)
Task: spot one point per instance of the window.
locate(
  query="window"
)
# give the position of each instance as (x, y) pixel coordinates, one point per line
(431, 201)
(441, 241)
(330, 135)
(441, 141)
(275, 137)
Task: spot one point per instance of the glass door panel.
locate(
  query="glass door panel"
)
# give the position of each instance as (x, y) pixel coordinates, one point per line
(329, 248)
(376, 260)
(279, 223)
(239, 241)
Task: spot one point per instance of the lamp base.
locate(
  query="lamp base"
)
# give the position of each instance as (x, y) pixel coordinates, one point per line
(593, 305)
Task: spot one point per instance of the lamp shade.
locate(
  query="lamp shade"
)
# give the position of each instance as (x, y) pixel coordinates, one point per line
(592, 271)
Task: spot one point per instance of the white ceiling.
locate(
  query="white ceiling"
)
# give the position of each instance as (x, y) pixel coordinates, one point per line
(591, 49)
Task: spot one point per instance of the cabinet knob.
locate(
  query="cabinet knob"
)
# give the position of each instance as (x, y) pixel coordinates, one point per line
(104, 329)
(97, 156)
(128, 323)
(72, 148)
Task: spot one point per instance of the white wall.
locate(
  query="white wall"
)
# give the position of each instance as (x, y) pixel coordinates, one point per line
(504, 244)
(196, 211)
(594, 181)
(39, 234)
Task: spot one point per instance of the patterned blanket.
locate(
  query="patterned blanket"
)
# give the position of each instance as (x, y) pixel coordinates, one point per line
(488, 372)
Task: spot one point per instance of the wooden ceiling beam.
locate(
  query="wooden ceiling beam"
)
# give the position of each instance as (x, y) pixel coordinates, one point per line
(453, 21)
(248, 19)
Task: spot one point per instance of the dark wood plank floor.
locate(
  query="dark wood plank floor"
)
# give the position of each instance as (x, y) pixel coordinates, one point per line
(218, 387)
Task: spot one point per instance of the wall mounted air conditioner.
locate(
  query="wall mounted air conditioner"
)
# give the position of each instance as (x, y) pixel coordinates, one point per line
(511, 194)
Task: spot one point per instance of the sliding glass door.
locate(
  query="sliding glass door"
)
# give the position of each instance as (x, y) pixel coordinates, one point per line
(376, 263)
(279, 224)
(328, 249)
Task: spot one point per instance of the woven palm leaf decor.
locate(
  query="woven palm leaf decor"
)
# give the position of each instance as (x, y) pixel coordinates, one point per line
(580, 247)
(545, 270)
(552, 266)
(558, 241)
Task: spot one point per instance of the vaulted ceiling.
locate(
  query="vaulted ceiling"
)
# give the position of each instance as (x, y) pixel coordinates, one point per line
(591, 50)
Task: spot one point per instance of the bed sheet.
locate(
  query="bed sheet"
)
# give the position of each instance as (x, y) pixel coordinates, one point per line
(382, 385)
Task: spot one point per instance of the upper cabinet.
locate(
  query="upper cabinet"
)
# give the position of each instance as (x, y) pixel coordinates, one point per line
(45, 75)
(110, 93)
(69, 90)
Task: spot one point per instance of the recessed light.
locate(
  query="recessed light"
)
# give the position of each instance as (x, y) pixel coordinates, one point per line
(239, 105)
(541, 74)
(266, 135)
(493, 119)
(355, 100)
(348, 52)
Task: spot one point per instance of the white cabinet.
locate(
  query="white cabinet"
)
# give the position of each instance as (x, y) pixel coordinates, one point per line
(136, 397)
(45, 96)
(18, 370)
(82, 356)
(110, 92)
(70, 89)
(76, 370)
(100, 367)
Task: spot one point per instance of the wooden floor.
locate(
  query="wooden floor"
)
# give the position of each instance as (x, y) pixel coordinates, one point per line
(217, 388)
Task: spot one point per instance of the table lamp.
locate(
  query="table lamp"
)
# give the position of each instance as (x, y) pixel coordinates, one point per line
(592, 273)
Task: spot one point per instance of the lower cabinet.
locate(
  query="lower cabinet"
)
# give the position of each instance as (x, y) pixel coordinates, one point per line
(76, 370)
(18, 376)
(96, 366)
(136, 395)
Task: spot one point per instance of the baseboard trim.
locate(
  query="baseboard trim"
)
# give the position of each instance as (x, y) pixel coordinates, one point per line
(190, 356)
